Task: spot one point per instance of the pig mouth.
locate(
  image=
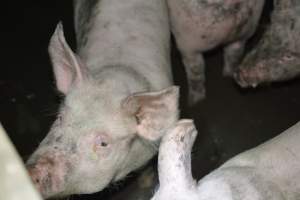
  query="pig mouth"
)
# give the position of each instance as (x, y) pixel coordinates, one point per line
(48, 174)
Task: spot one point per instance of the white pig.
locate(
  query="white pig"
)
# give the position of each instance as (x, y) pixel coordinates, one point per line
(119, 98)
(201, 25)
(270, 171)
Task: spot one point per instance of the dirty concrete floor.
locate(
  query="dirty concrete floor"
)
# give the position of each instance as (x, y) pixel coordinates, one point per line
(229, 120)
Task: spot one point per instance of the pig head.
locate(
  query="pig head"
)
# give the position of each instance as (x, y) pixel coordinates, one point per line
(103, 131)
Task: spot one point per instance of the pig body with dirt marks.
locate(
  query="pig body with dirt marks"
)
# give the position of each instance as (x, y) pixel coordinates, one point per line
(276, 57)
(269, 171)
(201, 25)
(118, 97)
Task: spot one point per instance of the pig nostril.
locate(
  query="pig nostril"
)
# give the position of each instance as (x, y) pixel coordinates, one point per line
(37, 180)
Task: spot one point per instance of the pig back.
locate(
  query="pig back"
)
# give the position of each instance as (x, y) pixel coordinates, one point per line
(131, 33)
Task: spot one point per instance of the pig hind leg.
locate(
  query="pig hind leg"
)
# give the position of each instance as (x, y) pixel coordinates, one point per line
(195, 71)
(233, 53)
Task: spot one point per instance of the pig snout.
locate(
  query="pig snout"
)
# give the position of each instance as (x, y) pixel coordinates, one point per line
(40, 178)
(48, 174)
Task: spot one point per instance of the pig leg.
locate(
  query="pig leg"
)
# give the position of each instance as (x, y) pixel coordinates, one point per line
(174, 161)
(195, 70)
(174, 164)
(232, 56)
(277, 56)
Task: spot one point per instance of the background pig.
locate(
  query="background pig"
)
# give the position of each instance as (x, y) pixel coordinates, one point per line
(201, 25)
(114, 97)
(277, 55)
(269, 171)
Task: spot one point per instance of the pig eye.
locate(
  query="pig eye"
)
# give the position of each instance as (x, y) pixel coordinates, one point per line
(101, 141)
(103, 144)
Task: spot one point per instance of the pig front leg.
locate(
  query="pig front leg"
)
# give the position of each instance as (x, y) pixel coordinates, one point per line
(174, 163)
(174, 159)
(233, 53)
(195, 70)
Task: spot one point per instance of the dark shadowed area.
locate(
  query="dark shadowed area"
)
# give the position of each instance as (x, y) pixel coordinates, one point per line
(229, 120)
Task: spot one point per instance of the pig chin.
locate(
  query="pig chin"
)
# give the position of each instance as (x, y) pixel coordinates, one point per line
(48, 174)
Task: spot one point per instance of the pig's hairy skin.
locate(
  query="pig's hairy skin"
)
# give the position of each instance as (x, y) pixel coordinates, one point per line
(269, 171)
(118, 36)
(201, 25)
(125, 48)
(277, 55)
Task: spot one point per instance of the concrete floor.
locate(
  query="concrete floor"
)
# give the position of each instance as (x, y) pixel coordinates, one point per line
(229, 120)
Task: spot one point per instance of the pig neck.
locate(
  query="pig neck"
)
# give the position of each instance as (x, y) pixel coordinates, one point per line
(127, 41)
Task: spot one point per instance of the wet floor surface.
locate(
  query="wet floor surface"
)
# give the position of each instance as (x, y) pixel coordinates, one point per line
(230, 120)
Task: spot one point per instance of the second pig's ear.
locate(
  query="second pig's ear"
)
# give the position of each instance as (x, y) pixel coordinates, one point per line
(155, 112)
(67, 66)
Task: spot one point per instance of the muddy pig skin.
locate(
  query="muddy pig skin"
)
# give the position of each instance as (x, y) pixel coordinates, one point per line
(276, 58)
(118, 89)
(201, 25)
(268, 171)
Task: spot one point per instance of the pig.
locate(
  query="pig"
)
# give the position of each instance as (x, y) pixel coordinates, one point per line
(268, 171)
(277, 55)
(119, 98)
(202, 25)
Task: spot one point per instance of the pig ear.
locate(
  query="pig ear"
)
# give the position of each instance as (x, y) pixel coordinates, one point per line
(67, 67)
(155, 112)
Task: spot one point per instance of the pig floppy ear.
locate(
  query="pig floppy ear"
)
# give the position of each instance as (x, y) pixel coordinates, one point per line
(155, 112)
(67, 67)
